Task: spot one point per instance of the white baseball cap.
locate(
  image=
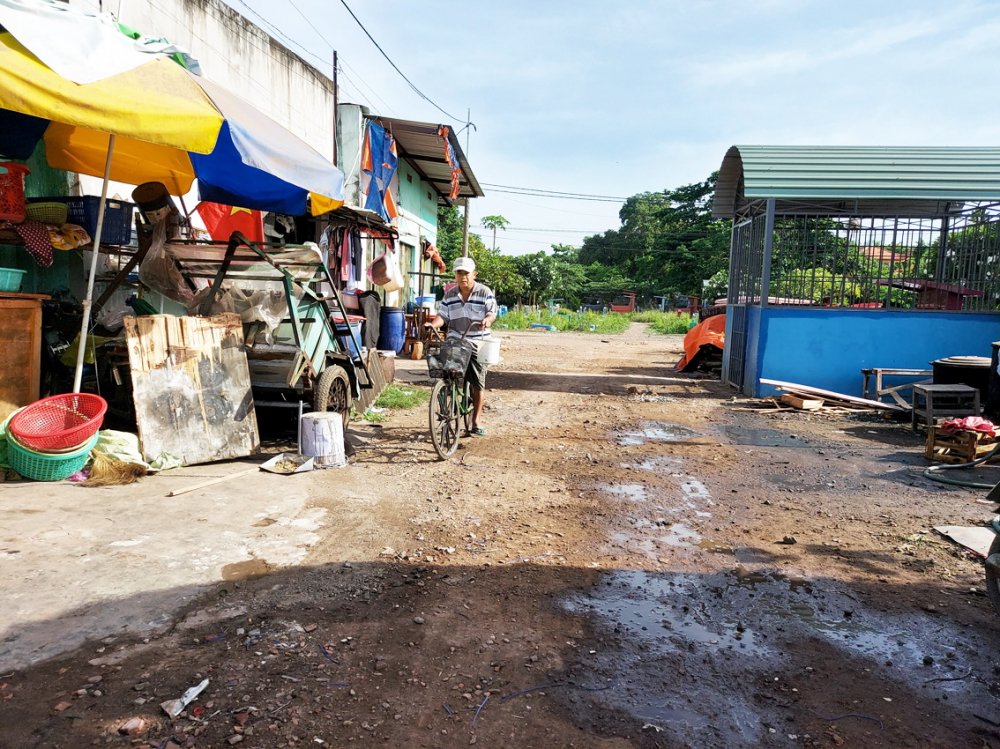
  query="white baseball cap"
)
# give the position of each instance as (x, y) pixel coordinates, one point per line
(465, 263)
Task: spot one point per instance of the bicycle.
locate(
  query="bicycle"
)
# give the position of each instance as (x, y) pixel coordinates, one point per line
(451, 399)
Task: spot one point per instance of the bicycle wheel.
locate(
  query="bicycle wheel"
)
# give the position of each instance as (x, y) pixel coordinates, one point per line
(444, 419)
(467, 404)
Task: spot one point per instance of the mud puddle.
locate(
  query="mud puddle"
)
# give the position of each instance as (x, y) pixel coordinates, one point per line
(761, 437)
(686, 639)
(656, 431)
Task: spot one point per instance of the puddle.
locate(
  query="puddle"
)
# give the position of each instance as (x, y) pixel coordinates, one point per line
(715, 547)
(660, 464)
(694, 489)
(711, 631)
(631, 492)
(681, 535)
(656, 431)
(770, 438)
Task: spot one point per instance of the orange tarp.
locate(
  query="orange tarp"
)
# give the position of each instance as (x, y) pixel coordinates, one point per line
(709, 332)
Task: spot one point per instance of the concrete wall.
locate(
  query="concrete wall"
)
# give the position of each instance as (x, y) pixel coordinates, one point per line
(828, 348)
(243, 58)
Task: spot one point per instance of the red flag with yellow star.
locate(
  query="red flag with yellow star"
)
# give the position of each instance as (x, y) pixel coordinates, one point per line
(222, 220)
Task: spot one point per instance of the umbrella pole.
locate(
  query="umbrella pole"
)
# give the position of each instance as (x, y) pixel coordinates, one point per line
(85, 325)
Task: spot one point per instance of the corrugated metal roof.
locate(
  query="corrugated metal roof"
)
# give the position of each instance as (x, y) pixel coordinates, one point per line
(853, 172)
(421, 145)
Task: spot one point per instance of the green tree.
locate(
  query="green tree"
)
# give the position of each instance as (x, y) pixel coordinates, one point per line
(494, 223)
(536, 270)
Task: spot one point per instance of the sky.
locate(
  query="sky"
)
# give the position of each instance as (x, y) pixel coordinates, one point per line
(615, 99)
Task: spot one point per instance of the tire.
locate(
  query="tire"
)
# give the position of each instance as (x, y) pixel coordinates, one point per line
(993, 575)
(332, 392)
(443, 420)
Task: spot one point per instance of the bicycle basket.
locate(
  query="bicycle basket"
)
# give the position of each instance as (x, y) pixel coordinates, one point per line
(450, 357)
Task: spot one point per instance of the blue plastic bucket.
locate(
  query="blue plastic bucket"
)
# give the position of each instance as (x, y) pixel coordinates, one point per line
(392, 329)
(348, 342)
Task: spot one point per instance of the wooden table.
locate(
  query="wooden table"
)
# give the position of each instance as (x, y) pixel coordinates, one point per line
(21, 347)
(893, 392)
(932, 402)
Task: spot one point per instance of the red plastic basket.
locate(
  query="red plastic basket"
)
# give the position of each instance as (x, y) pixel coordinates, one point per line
(59, 422)
(12, 191)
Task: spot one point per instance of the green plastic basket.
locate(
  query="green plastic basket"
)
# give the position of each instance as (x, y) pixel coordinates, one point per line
(10, 279)
(41, 467)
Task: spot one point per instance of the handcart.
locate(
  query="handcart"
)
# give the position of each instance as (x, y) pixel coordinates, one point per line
(306, 356)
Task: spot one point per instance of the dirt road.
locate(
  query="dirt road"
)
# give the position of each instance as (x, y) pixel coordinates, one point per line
(623, 561)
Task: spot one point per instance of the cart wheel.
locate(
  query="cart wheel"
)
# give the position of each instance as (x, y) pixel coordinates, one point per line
(333, 392)
(993, 574)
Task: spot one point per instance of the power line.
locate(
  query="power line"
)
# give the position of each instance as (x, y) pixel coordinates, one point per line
(561, 197)
(419, 93)
(565, 231)
(306, 18)
(557, 210)
(554, 192)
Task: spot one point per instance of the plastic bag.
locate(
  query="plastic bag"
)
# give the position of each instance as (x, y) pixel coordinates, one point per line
(112, 314)
(159, 272)
(384, 272)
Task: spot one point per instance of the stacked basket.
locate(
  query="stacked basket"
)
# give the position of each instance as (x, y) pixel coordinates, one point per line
(51, 439)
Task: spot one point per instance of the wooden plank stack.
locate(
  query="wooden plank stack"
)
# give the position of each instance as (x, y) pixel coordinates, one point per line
(963, 447)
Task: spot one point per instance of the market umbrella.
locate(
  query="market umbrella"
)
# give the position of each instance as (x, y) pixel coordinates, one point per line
(157, 122)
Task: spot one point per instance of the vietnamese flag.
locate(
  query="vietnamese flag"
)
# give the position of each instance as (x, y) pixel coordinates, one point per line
(222, 220)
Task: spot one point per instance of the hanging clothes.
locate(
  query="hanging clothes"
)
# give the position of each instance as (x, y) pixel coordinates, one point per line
(371, 308)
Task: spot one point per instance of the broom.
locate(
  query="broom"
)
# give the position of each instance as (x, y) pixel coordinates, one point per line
(108, 471)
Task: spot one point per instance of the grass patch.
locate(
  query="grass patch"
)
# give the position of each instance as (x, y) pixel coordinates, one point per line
(665, 323)
(400, 398)
(586, 322)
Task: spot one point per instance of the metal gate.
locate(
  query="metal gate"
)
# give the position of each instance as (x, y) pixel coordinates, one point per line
(746, 259)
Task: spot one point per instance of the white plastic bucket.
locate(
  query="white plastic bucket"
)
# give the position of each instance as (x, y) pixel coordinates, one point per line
(489, 351)
(323, 439)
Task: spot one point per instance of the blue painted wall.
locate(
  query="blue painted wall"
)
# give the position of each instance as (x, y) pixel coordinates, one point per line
(828, 348)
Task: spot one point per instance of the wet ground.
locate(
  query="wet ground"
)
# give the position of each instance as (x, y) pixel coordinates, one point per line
(624, 561)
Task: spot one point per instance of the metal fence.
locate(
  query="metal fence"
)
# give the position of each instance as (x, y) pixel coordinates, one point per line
(948, 261)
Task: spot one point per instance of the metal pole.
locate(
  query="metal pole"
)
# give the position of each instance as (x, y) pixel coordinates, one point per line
(85, 323)
(765, 272)
(465, 231)
(336, 105)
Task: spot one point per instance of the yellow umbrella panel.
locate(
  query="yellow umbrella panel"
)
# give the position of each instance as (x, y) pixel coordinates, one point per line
(157, 111)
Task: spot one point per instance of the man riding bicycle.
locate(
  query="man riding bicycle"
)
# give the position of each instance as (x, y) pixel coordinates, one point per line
(469, 309)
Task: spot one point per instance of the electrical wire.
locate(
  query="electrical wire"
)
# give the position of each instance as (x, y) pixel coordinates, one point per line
(495, 190)
(416, 90)
(553, 192)
(306, 18)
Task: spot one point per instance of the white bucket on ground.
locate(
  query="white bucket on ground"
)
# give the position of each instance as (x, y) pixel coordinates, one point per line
(323, 439)
(489, 351)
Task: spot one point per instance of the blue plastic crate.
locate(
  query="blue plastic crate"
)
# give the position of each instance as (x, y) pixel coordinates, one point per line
(82, 210)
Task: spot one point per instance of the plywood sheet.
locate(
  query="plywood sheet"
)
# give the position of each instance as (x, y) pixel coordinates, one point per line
(191, 387)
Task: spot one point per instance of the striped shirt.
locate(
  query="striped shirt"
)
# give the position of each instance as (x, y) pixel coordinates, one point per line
(460, 315)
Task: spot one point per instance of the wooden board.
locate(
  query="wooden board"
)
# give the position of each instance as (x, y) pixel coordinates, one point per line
(191, 387)
(806, 404)
(829, 394)
(370, 395)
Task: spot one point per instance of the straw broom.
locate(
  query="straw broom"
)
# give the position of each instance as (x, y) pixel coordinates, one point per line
(108, 471)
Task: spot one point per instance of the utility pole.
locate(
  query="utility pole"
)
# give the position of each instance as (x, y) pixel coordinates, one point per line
(465, 231)
(465, 220)
(336, 106)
